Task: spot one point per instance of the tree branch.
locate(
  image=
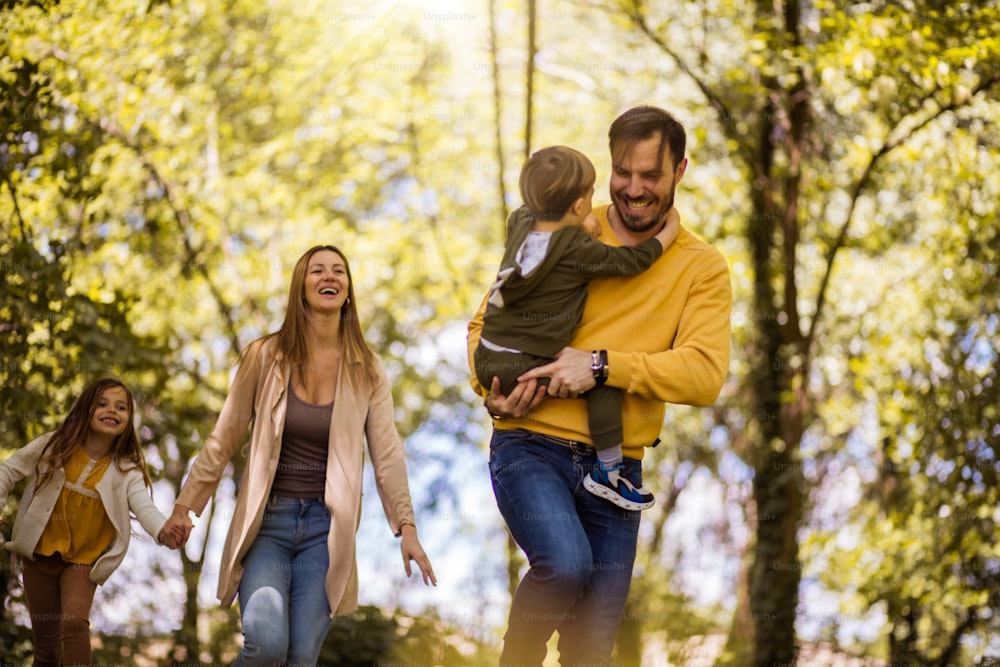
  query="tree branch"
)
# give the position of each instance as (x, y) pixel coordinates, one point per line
(183, 221)
(947, 656)
(714, 100)
(891, 144)
(17, 207)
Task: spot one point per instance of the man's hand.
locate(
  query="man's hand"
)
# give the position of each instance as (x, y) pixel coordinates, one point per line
(570, 373)
(523, 399)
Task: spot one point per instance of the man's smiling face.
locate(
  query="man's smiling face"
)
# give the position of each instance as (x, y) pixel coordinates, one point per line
(642, 185)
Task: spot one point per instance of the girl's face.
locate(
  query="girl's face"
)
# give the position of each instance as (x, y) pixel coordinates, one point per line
(112, 413)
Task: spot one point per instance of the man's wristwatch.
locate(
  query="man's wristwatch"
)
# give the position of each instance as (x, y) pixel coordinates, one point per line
(599, 366)
(492, 414)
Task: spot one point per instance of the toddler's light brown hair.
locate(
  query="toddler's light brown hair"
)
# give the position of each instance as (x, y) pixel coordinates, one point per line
(553, 178)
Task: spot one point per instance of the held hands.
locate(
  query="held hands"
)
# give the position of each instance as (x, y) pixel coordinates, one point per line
(410, 546)
(172, 538)
(669, 233)
(177, 529)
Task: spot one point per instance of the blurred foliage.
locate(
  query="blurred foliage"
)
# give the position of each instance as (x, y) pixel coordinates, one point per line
(369, 637)
(365, 638)
(920, 544)
(162, 165)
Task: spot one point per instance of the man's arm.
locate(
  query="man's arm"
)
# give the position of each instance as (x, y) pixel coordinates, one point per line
(692, 372)
(475, 333)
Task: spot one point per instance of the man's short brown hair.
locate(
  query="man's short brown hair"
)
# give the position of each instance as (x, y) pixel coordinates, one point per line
(641, 123)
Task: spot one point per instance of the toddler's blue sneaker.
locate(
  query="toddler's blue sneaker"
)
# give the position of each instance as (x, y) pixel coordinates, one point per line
(613, 485)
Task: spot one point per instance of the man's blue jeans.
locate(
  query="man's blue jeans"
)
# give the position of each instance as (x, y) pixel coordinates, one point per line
(580, 548)
(283, 602)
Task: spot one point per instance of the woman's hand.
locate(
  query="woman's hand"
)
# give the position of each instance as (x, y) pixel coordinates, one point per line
(410, 546)
(177, 529)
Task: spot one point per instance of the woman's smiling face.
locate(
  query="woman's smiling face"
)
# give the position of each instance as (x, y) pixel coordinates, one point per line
(326, 284)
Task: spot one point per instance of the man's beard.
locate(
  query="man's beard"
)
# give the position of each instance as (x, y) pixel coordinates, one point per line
(641, 227)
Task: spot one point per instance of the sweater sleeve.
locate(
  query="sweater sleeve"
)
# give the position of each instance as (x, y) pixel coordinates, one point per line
(141, 504)
(593, 259)
(388, 458)
(693, 371)
(231, 426)
(475, 333)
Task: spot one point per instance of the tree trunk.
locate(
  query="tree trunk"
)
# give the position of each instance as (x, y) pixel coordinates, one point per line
(775, 571)
(497, 115)
(529, 82)
(903, 635)
(186, 645)
(628, 641)
(778, 381)
(186, 637)
(740, 641)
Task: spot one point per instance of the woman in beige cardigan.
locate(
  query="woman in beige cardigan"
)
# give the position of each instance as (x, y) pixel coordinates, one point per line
(313, 392)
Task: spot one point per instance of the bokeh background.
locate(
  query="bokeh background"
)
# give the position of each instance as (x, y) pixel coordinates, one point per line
(163, 164)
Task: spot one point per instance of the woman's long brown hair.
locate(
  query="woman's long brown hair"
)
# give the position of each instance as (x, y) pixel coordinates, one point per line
(126, 451)
(291, 337)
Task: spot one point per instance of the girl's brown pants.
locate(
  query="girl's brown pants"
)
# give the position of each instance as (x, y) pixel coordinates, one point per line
(59, 598)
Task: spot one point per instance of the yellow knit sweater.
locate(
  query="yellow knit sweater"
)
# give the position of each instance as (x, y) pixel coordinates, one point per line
(667, 334)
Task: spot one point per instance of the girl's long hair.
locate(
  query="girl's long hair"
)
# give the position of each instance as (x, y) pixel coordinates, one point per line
(291, 337)
(126, 451)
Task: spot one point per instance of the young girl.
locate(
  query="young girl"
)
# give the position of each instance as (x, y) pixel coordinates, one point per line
(73, 527)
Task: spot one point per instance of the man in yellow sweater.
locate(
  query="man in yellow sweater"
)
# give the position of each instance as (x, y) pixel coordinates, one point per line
(662, 336)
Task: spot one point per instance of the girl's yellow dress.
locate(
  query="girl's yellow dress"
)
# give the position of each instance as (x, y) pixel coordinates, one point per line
(79, 528)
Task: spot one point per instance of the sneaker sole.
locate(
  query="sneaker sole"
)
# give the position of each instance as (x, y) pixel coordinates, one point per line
(607, 494)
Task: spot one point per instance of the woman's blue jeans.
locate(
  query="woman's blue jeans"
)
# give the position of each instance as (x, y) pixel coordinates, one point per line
(580, 549)
(283, 602)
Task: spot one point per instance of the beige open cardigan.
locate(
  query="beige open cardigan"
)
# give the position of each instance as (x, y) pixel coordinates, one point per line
(259, 396)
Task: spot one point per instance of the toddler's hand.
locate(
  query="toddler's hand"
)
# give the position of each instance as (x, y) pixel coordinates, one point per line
(671, 229)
